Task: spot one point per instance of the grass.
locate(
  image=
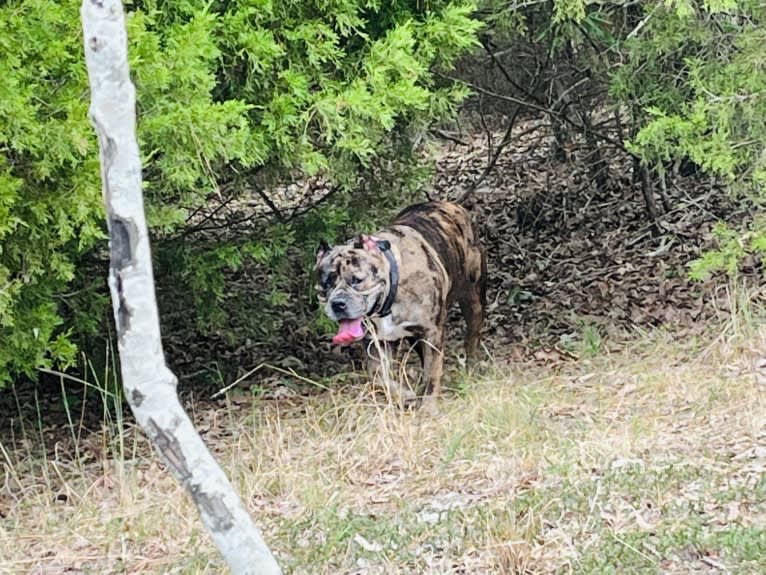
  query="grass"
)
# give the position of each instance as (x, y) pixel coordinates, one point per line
(646, 460)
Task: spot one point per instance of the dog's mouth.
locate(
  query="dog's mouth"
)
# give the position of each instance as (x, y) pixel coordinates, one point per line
(349, 330)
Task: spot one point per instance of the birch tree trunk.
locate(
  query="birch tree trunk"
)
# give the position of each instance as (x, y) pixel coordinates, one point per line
(150, 387)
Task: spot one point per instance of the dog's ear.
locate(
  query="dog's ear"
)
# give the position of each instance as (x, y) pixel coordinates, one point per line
(322, 249)
(369, 243)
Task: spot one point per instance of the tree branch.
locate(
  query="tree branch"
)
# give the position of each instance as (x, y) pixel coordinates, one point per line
(150, 387)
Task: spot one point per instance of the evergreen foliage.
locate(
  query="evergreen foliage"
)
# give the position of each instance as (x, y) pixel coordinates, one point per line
(686, 77)
(229, 93)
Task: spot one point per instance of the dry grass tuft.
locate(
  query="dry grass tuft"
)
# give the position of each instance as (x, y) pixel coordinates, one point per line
(650, 459)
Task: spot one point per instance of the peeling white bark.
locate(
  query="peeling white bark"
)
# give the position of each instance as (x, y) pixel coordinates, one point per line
(149, 385)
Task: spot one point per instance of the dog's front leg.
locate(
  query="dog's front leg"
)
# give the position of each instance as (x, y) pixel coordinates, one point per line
(382, 373)
(378, 361)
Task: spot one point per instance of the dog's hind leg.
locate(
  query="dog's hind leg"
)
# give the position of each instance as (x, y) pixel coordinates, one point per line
(473, 300)
(433, 367)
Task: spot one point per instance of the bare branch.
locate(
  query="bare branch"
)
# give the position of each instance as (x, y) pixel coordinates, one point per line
(270, 204)
(447, 136)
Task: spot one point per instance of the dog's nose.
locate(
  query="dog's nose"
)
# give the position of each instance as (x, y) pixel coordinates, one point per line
(338, 306)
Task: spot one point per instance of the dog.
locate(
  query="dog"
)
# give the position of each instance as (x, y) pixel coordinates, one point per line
(403, 280)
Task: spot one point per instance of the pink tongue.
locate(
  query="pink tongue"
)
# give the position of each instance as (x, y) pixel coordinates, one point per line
(349, 330)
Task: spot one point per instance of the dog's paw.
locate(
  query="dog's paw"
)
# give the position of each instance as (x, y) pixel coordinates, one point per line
(431, 405)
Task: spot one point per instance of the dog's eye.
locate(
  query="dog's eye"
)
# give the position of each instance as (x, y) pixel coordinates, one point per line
(327, 281)
(355, 281)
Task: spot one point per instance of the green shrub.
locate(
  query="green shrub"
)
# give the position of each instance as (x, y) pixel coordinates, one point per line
(231, 96)
(699, 73)
(686, 79)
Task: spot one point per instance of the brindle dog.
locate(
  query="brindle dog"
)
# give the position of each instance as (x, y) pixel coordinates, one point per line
(404, 279)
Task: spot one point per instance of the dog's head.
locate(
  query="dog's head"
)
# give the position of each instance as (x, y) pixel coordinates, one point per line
(352, 282)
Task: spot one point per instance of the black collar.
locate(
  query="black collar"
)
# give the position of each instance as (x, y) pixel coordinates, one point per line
(393, 276)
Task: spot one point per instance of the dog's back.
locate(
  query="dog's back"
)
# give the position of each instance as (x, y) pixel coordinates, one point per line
(447, 228)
